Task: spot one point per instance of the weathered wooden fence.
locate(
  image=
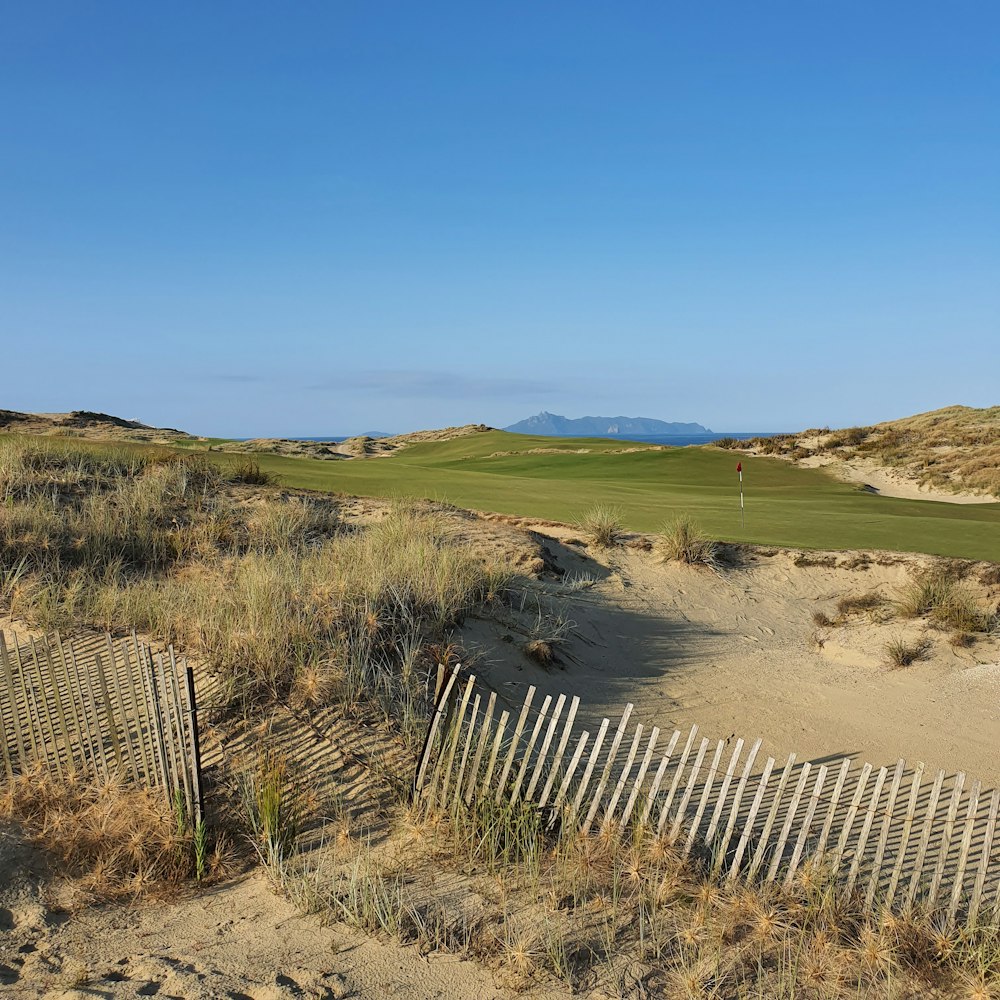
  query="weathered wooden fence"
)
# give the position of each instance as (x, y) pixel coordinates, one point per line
(894, 836)
(101, 709)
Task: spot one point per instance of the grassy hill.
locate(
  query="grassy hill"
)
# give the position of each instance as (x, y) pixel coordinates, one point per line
(561, 478)
(955, 448)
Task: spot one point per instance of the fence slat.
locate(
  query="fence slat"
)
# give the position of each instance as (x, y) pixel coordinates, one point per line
(852, 812)
(944, 845)
(720, 804)
(568, 777)
(49, 739)
(800, 842)
(612, 757)
(661, 821)
(116, 688)
(755, 805)
(529, 749)
(484, 735)
(975, 900)
(779, 847)
(459, 781)
(495, 751)
(688, 791)
(75, 707)
(543, 752)
(963, 856)
(641, 776)
(457, 725)
(866, 826)
(706, 792)
(883, 839)
(772, 815)
(137, 694)
(734, 812)
(904, 837)
(831, 812)
(560, 750)
(440, 707)
(623, 780)
(658, 777)
(589, 769)
(925, 835)
(18, 725)
(30, 710)
(509, 762)
(64, 711)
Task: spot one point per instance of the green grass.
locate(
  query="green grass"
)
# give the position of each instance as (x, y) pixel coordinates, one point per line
(786, 504)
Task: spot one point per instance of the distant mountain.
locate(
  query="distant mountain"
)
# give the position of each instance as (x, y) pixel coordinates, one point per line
(553, 425)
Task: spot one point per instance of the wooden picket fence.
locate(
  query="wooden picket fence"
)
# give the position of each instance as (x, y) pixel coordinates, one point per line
(885, 835)
(100, 709)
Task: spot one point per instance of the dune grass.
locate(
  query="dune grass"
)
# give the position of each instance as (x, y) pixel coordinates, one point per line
(683, 541)
(269, 590)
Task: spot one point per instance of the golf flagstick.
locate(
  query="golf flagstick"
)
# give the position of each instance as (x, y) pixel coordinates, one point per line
(739, 469)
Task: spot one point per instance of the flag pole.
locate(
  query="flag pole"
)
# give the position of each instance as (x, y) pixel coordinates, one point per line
(743, 522)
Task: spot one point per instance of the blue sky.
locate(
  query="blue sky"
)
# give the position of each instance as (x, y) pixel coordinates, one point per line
(309, 218)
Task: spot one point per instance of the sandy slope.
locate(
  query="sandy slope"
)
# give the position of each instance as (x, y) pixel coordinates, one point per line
(890, 482)
(239, 941)
(735, 651)
(738, 652)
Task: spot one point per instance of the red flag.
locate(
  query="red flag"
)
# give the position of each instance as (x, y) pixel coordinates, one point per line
(739, 466)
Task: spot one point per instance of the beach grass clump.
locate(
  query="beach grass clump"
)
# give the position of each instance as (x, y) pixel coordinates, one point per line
(603, 525)
(937, 595)
(901, 653)
(114, 839)
(250, 473)
(270, 811)
(683, 541)
(868, 603)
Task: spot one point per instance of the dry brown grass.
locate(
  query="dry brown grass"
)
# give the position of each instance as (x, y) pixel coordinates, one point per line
(268, 589)
(683, 541)
(113, 839)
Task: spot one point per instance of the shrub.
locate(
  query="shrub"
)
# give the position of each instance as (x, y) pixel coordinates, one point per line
(603, 525)
(250, 473)
(682, 541)
(901, 653)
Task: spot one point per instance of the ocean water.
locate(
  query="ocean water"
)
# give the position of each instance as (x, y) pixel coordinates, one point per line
(678, 440)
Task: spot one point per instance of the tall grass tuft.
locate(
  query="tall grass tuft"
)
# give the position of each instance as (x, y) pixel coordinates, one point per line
(946, 602)
(602, 525)
(682, 541)
(270, 811)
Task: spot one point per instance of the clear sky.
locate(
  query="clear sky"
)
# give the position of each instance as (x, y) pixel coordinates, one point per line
(311, 218)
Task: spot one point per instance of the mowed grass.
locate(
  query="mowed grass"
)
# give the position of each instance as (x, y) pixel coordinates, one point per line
(785, 504)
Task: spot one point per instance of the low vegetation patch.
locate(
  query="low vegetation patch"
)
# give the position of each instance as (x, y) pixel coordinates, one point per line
(270, 591)
(603, 525)
(860, 604)
(624, 911)
(114, 839)
(901, 653)
(683, 541)
(948, 603)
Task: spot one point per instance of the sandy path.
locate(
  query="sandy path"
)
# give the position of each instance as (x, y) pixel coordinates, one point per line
(239, 941)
